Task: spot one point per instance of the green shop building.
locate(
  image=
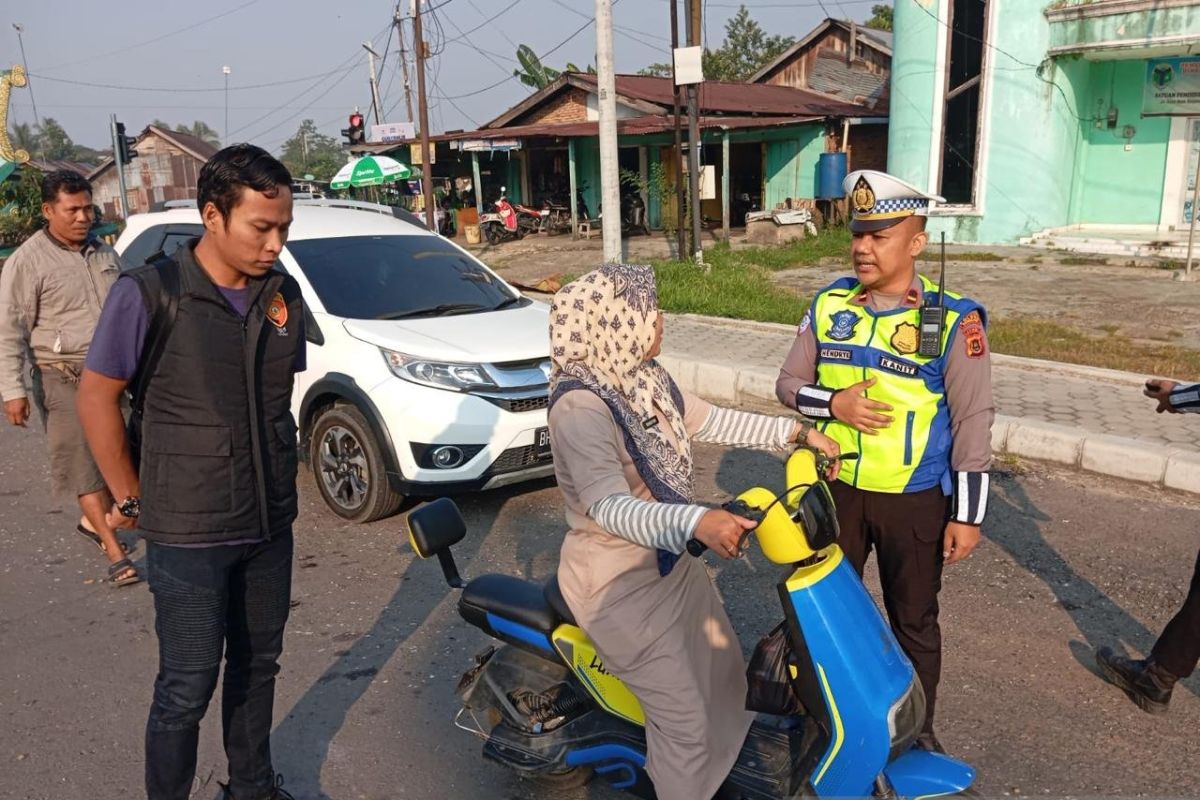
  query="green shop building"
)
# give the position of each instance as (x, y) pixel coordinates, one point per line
(1069, 121)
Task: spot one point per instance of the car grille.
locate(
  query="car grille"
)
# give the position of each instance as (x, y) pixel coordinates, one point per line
(516, 458)
(520, 405)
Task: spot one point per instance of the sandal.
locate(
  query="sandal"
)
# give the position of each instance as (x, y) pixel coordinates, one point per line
(125, 568)
(95, 539)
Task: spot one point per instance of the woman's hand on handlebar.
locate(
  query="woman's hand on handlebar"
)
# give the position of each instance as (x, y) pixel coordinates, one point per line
(829, 448)
(722, 532)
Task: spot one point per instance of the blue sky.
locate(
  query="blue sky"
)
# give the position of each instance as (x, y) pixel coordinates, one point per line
(143, 44)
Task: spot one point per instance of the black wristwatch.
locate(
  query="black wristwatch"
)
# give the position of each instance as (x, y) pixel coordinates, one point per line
(130, 507)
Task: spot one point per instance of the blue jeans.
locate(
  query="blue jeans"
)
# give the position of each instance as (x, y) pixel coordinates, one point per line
(231, 598)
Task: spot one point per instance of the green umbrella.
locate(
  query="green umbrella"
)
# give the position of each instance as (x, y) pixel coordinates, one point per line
(370, 171)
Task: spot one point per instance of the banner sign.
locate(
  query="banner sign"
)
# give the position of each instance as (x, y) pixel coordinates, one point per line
(1172, 87)
(393, 132)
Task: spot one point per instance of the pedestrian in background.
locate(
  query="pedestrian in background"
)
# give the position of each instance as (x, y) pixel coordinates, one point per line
(51, 292)
(1150, 681)
(214, 492)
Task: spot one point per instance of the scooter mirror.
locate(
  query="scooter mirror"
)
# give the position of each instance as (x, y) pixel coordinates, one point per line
(433, 529)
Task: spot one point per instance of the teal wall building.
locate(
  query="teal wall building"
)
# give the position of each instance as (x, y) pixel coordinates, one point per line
(1035, 118)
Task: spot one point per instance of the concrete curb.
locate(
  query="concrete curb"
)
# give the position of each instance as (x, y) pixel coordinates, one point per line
(1129, 459)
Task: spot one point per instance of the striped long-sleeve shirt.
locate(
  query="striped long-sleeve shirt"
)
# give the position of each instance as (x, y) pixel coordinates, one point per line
(668, 526)
(1186, 398)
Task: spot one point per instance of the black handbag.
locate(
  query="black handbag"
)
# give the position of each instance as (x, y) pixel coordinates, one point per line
(768, 677)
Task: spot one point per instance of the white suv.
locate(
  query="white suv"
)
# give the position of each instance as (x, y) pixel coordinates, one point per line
(427, 373)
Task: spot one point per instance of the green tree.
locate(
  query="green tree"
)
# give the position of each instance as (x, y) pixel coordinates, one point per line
(24, 137)
(311, 151)
(746, 49)
(881, 18)
(54, 143)
(202, 131)
(20, 206)
(534, 74)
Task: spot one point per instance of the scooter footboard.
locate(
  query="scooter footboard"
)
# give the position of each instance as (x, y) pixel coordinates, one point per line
(919, 773)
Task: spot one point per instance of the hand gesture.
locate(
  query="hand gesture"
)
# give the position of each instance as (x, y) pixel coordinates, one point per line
(722, 532)
(959, 541)
(1161, 391)
(829, 448)
(852, 406)
(17, 411)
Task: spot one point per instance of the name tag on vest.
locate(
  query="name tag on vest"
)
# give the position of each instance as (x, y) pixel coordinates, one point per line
(836, 354)
(898, 367)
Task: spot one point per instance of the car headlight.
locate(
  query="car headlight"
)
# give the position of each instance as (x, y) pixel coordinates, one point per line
(438, 374)
(905, 718)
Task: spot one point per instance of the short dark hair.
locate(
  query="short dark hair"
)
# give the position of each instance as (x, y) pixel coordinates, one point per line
(65, 181)
(234, 168)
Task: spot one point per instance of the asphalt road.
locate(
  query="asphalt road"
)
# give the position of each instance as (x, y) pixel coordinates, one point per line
(375, 647)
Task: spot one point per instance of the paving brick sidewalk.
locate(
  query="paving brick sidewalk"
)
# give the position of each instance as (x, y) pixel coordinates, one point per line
(1096, 419)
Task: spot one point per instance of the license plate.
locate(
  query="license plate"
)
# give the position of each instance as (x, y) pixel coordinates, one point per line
(541, 443)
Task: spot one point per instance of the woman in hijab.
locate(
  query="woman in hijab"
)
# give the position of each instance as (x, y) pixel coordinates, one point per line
(621, 431)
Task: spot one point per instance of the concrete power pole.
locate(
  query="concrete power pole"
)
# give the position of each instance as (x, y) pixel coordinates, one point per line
(423, 110)
(610, 182)
(398, 19)
(694, 144)
(680, 197)
(375, 104)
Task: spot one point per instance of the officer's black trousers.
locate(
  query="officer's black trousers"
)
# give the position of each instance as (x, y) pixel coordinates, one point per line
(906, 531)
(1178, 648)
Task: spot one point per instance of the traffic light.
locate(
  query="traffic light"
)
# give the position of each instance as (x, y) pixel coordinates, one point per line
(125, 151)
(354, 134)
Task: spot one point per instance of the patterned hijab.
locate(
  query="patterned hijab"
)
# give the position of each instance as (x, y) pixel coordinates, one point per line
(601, 327)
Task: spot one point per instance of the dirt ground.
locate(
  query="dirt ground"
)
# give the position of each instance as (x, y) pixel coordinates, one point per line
(1136, 298)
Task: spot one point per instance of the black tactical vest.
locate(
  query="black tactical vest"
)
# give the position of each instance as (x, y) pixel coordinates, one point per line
(218, 441)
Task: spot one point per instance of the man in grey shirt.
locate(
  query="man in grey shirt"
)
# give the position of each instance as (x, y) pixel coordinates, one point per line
(51, 292)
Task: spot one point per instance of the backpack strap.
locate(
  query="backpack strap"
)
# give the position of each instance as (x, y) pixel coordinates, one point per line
(160, 291)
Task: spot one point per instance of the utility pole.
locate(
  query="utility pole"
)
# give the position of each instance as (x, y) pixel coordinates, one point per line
(20, 29)
(693, 35)
(119, 164)
(225, 71)
(371, 56)
(398, 19)
(423, 110)
(610, 187)
(680, 202)
(304, 144)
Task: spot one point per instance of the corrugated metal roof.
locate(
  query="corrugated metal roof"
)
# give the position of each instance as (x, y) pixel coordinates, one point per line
(831, 75)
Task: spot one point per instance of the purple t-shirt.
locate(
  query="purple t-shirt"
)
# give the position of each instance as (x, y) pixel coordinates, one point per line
(120, 337)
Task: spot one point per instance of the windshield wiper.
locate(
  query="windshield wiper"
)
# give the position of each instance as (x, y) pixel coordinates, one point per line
(440, 310)
(512, 301)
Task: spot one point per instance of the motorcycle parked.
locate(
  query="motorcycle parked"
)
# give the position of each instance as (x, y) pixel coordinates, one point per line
(545, 707)
(503, 225)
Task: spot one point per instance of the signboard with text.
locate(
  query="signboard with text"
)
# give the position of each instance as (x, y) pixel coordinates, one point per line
(393, 132)
(1172, 87)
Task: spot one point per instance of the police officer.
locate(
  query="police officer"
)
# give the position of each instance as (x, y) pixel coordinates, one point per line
(917, 409)
(1149, 681)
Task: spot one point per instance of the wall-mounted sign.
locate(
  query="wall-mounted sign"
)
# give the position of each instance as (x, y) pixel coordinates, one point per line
(489, 145)
(1172, 87)
(393, 132)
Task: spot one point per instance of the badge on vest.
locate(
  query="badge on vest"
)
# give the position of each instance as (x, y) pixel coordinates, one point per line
(898, 367)
(277, 313)
(835, 354)
(905, 339)
(843, 325)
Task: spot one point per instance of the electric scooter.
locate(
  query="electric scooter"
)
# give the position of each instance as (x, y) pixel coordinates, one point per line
(546, 707)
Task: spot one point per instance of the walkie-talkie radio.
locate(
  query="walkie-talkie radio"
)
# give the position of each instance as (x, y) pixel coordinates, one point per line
(933, 316)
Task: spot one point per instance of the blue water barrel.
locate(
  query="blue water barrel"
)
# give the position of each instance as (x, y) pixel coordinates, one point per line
(831, 171)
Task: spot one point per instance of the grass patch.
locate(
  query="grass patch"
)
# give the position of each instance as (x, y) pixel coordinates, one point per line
(1034, 338)
(806, 252)
(1083, 261)
(930, 255)
(726, 290)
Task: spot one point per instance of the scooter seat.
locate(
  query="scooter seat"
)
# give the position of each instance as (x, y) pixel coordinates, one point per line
(509, 598)
(554, 597)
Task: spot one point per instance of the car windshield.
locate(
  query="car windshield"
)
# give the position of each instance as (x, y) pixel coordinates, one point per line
(397, 277)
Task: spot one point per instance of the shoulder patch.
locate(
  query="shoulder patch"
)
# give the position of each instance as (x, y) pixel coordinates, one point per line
(806, 322)
(971, 329)
(277, 311)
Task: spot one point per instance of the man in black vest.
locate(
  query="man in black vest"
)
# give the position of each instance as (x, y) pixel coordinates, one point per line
(214, 492)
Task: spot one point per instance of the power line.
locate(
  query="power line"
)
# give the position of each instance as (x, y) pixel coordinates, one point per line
(289, 118)
(484, 24)
(172, 89)
(626, 32)
(159, 38)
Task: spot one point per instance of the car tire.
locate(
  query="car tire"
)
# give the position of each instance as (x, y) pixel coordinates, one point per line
(348, 466)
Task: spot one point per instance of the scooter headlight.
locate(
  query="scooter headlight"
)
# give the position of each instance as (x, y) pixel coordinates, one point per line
(905, 718)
